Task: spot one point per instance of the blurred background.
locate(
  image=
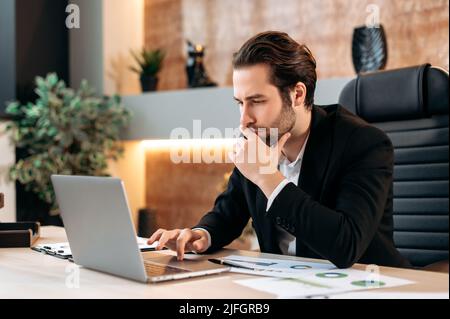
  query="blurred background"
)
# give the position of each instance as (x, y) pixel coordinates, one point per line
(170, 62)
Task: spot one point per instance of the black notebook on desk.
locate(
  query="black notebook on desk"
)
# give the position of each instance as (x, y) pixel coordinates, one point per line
(19, 234)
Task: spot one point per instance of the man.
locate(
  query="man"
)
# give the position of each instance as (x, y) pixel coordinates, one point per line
(329, 195)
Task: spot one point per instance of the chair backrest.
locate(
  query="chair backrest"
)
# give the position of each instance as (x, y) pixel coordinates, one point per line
(411, 105)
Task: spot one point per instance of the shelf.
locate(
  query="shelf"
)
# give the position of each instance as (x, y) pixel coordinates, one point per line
(156, 114)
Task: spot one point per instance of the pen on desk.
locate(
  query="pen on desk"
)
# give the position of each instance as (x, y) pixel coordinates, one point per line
(229, 263)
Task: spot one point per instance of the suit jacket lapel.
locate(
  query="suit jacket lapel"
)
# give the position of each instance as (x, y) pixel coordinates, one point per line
(266, 224)
(314, 165)
(317, 153)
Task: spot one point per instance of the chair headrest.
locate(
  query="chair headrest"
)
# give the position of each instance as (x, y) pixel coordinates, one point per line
(401, 94)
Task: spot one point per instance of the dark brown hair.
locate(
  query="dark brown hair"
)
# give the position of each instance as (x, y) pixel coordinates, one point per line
(289, 62)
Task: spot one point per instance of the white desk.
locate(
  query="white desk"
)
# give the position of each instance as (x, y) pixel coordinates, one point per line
(25, 273)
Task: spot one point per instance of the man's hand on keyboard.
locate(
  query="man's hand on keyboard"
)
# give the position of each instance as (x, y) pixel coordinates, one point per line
(180, 240)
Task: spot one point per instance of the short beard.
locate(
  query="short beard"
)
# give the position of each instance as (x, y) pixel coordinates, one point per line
(284, 123)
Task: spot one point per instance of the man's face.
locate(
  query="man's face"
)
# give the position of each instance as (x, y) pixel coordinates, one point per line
(260, 103)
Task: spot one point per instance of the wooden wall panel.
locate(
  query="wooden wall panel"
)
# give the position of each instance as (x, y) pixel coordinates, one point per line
(164, 29)
(417, 31)
(181, 193)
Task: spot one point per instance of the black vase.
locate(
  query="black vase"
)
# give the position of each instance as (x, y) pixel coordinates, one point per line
(369, 49)
(148, 82)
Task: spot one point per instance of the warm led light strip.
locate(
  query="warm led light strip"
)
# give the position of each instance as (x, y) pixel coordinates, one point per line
(189, 143)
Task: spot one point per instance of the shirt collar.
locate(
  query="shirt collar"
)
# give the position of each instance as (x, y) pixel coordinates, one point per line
(285, 161)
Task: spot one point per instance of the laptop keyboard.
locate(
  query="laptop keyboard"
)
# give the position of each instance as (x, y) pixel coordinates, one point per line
(157, 270)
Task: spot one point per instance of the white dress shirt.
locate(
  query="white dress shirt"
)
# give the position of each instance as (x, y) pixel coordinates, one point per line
(290, 170)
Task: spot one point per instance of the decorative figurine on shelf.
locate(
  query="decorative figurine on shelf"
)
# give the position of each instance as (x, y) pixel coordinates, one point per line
(196, 73)
(369, 49)
(149, 62)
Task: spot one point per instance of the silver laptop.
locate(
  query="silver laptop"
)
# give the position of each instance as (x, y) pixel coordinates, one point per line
(102, 237)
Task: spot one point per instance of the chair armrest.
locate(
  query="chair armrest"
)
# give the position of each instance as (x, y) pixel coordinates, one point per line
(440, 266)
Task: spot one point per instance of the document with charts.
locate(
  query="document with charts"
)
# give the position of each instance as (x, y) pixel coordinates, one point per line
(297, 279)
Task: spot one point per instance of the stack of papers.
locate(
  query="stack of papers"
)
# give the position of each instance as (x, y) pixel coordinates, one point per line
(62, 250)
(298, 279)
(391, 295)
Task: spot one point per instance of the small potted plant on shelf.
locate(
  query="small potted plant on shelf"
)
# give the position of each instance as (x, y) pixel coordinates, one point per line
(149, 62)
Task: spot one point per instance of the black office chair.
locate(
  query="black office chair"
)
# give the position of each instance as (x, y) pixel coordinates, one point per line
(412, 106)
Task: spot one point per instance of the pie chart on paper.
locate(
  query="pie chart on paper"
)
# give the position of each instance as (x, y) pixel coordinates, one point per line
(300, 267)
(331, 275)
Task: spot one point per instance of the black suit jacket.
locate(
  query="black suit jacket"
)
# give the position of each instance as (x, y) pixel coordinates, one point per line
(341, 209)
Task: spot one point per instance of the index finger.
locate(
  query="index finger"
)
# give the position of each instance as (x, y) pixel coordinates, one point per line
(184, 237)
(156, 235)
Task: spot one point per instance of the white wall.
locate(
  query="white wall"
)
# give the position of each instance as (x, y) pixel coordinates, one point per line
(100, 48)
(86, 45)
(7, 158)
(123, 30)
(7, 92)
(131, 169)
(100, 53)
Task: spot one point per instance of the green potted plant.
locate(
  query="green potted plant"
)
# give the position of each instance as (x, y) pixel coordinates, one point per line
(149, 62)
(64, 132)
